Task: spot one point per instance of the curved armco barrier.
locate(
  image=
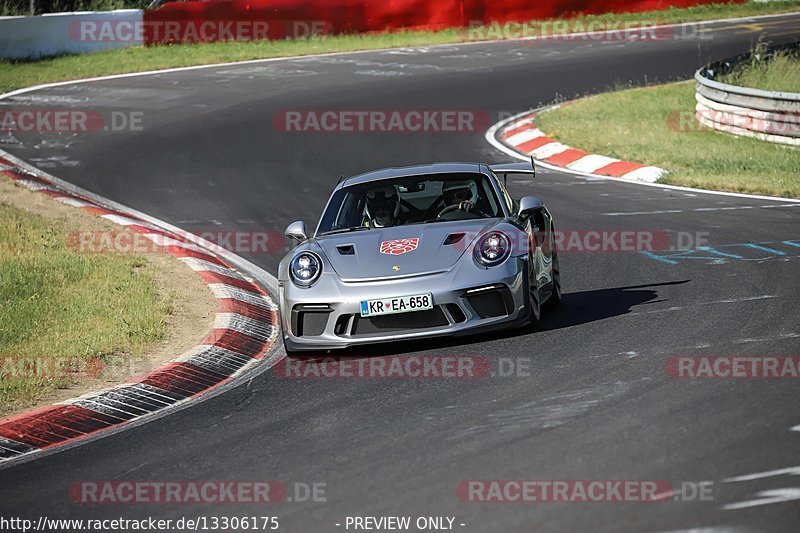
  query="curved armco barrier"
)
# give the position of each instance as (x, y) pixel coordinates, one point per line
(227, 19)
(765, 115)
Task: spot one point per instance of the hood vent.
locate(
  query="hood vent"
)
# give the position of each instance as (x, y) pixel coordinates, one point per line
(346, 249)
(454, 238)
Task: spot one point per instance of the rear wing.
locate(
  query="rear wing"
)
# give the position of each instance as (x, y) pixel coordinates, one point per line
(515, 168)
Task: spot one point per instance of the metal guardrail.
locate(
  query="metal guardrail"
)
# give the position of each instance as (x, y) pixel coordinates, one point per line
(766, 115)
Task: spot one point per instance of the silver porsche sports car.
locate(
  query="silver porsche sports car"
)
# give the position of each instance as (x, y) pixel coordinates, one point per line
(423, 251)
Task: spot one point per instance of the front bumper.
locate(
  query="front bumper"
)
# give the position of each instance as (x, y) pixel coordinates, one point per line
(466, 299)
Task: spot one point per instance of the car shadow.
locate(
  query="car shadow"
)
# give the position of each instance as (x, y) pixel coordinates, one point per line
(590, 306)
(576, 308)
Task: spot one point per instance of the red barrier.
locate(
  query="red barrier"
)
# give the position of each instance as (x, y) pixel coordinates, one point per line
(221, 20)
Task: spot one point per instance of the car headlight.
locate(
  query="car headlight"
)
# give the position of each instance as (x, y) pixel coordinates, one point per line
(305, 268)
(493, 249)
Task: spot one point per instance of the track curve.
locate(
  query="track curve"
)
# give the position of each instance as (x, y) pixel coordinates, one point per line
(597, 403)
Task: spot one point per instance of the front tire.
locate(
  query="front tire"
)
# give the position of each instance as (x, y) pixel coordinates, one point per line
(555, 295)
(534, 298)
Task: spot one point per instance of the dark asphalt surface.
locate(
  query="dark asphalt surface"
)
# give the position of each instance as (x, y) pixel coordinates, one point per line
(597, 403)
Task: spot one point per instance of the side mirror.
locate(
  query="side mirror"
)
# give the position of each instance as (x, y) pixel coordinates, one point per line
(297, 230)
(530, 205)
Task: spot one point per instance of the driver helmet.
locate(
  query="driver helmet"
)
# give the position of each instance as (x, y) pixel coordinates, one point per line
(383, 205)
(455, 192)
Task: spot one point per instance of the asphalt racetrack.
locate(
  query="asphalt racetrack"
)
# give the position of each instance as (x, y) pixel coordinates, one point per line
(593, 399)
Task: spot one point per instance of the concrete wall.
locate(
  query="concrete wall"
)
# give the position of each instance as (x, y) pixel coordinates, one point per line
(70, 33)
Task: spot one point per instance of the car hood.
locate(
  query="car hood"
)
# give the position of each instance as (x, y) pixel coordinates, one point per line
(357, 255)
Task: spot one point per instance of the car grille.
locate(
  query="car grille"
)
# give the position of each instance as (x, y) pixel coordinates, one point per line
(456, 312)
(491, 303)
(310, 320)
(433, 318)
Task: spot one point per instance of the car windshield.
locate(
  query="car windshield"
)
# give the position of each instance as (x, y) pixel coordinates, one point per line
(410, 200)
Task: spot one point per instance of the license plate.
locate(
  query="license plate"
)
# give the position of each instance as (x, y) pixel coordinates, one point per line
(400, 304)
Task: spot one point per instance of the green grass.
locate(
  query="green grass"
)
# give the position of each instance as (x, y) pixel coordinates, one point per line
(644, 125)
(64, 314)
(781, 72)
(14, 75)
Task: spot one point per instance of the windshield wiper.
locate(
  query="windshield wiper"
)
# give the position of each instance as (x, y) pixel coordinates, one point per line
(345, 230)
